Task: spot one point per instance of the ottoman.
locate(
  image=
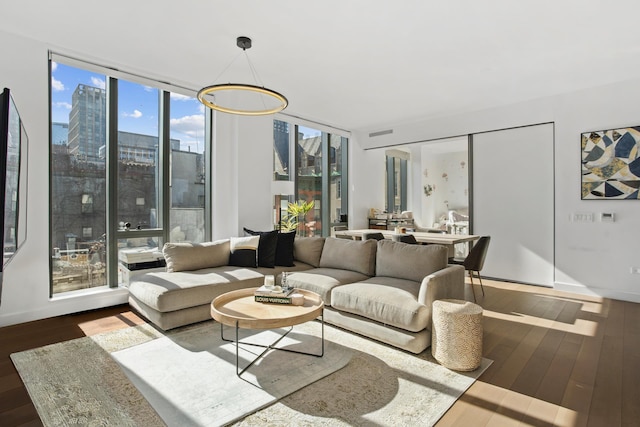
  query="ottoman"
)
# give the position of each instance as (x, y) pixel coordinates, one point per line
(456, 340)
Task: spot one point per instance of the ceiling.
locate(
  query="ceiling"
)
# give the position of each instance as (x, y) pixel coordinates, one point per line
(357, 65)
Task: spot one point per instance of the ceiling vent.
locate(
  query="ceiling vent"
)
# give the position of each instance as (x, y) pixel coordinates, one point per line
(380, 133)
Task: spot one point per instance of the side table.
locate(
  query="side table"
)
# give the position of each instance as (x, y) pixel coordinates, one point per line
(456, 340)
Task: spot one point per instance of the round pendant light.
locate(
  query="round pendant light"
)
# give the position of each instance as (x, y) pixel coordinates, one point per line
(268, 101)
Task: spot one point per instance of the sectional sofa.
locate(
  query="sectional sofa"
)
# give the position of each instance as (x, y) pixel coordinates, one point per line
(381, 289)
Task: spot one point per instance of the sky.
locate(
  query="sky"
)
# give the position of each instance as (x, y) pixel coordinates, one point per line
(137, 106)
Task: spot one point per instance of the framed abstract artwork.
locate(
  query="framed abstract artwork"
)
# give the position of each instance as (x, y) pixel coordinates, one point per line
(611, 164)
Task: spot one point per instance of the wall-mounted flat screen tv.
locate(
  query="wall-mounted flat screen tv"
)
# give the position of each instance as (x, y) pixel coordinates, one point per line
(13, 179)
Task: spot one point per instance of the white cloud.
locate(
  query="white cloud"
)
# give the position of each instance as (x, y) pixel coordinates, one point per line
(180, 97)
(56, 85)
(54, 66)
(98, 82)
(193, 126)
(135, 115)
(64, 105)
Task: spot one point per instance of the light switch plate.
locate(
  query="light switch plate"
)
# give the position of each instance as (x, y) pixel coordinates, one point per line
(582, 217)
(607, 217)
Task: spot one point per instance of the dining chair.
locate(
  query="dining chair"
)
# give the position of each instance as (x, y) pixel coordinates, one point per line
(475, 260)
(404, 238)
(375, 236)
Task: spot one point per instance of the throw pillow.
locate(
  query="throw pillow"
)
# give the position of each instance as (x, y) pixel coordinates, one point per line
(194, 256)
(354, 255)
(244, 251)
(284, 247)
(284, 250)
(266, 247)
(308, 250)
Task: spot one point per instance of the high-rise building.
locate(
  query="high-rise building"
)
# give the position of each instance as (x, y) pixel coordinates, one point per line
(59, 133)
(87, 122)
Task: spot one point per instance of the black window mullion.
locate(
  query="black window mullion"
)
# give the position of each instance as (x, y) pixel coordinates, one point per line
(325, 216)
(163, 168)
(112, 181)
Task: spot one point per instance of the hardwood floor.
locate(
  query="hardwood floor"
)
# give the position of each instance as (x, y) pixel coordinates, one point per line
(559, 359)
(16, 408)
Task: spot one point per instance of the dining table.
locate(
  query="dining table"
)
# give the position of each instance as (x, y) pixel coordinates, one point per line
(447, 240)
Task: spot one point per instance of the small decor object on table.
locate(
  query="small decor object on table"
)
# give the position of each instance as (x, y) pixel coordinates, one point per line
(269, 282)
(274, 294)
(284, 282)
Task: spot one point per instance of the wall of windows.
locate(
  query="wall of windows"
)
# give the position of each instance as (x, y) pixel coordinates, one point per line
(396, 185)
(128, 171)
(316, 161)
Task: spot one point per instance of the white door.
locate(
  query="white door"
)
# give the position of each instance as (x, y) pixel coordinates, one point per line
(513, 187)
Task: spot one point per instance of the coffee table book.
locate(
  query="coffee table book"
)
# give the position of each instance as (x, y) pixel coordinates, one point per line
(273, 299)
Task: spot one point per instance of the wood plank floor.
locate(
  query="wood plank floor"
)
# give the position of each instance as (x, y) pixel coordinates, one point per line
(559, 359)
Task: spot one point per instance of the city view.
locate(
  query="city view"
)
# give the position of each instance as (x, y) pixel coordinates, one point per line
(79, 187)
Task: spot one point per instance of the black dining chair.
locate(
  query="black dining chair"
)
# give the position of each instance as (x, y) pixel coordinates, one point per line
(374, 236)
(474, 261)
(404, 238)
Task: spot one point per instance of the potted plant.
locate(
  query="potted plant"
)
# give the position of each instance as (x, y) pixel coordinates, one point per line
(294, 219)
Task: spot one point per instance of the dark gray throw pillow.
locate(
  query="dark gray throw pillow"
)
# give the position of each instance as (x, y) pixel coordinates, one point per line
(284, 250)
(284, 246)
(266, 247)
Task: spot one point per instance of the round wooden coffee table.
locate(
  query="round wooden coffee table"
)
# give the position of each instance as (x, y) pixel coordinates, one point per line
(240, 310)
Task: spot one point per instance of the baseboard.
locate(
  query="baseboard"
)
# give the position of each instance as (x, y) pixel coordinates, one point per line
(597, 292)
(68, 304)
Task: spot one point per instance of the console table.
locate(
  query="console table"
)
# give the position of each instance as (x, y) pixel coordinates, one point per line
(390, 223)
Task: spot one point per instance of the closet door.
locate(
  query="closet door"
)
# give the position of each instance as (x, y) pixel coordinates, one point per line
(513, 202)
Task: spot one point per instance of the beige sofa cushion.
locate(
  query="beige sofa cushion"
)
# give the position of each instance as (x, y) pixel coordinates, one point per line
(194, 256)
(411, 262)
(387, 300)
(323, 280)
(308, 250)
(165, 292)
(354, 255)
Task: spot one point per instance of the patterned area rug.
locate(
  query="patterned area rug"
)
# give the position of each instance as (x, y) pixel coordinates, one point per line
(78, 382)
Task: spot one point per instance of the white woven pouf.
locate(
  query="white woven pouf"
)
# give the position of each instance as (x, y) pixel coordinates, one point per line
(456, 334)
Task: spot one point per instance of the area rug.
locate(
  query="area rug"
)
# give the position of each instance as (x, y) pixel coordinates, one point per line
(195, 380)
(78, 383)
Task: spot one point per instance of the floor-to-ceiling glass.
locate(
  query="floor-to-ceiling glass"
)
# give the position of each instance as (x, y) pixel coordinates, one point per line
(78, 178)
(309, 149)
(338, 184)
(188, 170)
(115, 198)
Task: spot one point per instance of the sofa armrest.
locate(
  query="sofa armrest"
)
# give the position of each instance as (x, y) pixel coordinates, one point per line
(443, 284)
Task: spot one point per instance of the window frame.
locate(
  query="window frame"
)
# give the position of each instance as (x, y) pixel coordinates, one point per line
(114, 232)
(327, 133)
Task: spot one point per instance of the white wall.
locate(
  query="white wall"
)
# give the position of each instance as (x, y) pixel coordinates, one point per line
(242, 178)
(591, 258)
